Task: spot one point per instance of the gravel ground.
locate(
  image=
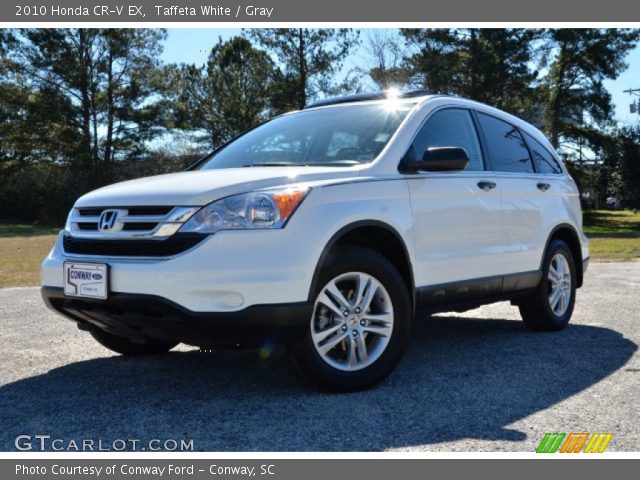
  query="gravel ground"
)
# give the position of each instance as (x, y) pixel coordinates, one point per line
(477, 381)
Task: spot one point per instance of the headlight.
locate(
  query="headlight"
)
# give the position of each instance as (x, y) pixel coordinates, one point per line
(256, 210)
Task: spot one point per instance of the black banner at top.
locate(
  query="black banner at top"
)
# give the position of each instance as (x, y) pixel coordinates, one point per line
(144, 11)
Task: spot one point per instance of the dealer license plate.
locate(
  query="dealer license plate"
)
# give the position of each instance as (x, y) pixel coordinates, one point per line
(85, 280)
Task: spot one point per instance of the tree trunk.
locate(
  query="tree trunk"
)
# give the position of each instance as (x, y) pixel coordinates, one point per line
(302, 70)
(473, 61)
(94, 119)
(108, 152)
(557, 90)
(84, 81)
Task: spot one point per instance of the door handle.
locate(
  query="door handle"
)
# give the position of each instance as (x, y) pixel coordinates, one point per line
(543, 186)
(486, 186)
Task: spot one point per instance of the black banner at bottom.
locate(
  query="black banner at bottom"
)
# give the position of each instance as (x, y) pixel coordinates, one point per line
(320, 469)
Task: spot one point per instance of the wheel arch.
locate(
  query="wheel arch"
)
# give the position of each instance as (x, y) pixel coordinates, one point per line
(568, 234)
(377, 236)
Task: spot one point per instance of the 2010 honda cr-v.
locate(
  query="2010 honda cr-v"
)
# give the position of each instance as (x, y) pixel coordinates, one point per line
(326, 230)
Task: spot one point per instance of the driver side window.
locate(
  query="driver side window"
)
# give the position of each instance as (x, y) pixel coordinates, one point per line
(452, 127)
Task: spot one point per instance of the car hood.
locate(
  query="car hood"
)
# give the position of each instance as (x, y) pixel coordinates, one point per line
(201, 187)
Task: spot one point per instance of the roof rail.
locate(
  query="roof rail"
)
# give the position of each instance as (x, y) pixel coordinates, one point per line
(363, 97)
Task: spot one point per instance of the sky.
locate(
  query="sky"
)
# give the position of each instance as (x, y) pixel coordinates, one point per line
(191, 45)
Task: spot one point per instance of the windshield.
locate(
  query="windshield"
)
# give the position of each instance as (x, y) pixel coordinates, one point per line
(336, 136)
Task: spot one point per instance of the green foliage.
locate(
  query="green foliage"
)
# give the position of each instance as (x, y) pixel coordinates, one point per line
(627, 185)
(227, 96)
(308, 58)
(43, 192)
(81, 97)
(488, 65)
(577, 63)
(72, 103)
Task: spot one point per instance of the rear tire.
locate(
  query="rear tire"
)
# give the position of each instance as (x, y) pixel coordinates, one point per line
(360, 323)
(550, 306)
(125, 346)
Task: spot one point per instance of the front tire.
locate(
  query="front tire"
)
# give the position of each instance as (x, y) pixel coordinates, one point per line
(360, 323)
(550, 306)
(125, 346)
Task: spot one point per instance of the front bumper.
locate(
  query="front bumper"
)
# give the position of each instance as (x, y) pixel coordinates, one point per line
(145, 316)
(227, 272)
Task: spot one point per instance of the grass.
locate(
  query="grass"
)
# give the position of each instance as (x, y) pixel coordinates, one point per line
(22, 249)
(614, 236)
(24, 230)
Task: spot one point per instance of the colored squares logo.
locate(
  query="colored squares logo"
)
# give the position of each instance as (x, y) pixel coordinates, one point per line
(574, 442)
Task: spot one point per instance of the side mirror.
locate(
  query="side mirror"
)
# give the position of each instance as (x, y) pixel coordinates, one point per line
(441, 159)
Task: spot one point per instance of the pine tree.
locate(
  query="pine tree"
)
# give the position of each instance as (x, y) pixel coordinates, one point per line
(227, 96)
(309, 59)
(93, 94)
(577, 63)
(487, 65)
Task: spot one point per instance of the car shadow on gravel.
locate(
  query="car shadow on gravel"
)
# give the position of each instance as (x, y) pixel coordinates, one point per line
(460, 378)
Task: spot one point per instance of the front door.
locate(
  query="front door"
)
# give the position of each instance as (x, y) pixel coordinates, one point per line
(457, 217)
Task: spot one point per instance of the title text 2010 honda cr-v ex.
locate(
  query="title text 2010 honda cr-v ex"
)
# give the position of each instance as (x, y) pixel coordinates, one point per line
(326, 230)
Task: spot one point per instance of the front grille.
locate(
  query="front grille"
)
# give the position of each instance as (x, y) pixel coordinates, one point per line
(138, 226)
(137, 222)
(145, 210)
(173, 245)
(88, 225)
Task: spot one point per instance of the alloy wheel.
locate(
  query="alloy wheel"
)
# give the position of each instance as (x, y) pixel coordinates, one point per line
(559, 284)
(352, 321)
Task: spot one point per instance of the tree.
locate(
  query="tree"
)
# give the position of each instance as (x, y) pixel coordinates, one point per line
(488, 65)
(129, 107)
(386, 52)
(309, 59)
(31, 119)
(229, 95)
(96, 89)
(620, 171)
(577, 63)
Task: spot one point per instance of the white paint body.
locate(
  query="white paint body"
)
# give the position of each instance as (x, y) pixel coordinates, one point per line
(452, 230)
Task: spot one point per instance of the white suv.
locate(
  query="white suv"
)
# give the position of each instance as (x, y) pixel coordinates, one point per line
(326, 230)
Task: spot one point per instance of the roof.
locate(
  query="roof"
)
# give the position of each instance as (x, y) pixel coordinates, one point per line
(364, 97)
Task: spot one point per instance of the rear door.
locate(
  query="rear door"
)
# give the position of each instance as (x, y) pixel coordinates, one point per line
(553, 195)
(457, 221)
(523, 201)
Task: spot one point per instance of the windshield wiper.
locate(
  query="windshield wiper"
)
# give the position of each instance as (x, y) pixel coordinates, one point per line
(272, 164)
(339, 163)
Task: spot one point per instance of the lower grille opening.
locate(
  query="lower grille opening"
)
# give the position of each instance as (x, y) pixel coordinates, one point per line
(173, 245)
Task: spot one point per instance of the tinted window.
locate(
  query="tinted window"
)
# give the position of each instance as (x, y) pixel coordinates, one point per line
(507, 149)
(345, 135)
(542, 158)
(449, 128)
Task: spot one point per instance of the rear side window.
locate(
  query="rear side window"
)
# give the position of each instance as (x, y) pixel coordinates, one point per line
(452, 127)
(542, 158)
(507, 149)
